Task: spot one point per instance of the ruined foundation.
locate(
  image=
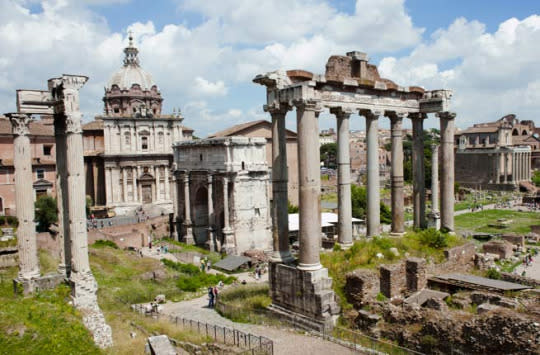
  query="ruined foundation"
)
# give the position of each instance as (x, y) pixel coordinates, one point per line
(28, 286)
(305, 297)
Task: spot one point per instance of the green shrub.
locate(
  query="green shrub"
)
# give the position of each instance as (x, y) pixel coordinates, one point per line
(336, 247)
(380, 297)
(12, 221)
(189, 269)
(100, 243)
(433, 238)
(292, 208)
(2, 220)
(196, 282)
(493, 273)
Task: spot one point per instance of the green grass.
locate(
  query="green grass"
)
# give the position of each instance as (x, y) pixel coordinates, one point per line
(330, 197)
(41, 324)
(8, 243)
(245, 303)
(175, 246)
(479, 221)
(47, 262)
(363, 254)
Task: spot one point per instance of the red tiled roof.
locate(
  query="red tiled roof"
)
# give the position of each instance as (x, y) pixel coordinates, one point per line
(236, 129)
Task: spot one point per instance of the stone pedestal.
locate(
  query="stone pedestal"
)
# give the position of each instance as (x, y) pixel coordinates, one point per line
(39, 283)
(303, 296)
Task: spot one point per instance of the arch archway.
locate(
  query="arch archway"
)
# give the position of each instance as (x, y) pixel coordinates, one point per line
(515, 132)
(200, 215)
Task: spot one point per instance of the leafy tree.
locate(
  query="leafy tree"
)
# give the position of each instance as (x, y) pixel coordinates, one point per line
(292, 208)
(359, 205)
(328, 154)
(46, 213)
(536, 178)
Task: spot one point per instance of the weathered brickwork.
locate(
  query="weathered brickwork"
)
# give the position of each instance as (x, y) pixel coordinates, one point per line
(392, 279)
(499, 247)
(415, 274)
(361, 286)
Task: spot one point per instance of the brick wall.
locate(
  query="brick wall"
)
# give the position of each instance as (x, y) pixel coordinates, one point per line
(392, 279)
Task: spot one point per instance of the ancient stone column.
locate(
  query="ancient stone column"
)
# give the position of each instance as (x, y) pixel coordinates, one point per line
(108, 183)
(134, 182)
(188, 238)
(64, 267)
(514, 168)
(397, 181)
(24, 198)
(434, 215)
(228, 234)
(419, 176)
(506, 167)
(211, 240)
(344, 177)
(498, 168)
(176, 208)
(280, 217)
(124, 184)
(307, 112)
(447, 170)
(167, 183)
(373, 188)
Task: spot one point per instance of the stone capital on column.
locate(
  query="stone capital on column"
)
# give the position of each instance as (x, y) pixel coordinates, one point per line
(371, 113)
(308, 105)
(417, 115)
(446, 115)
(20, 122)
(395, 116)
(277, 108)
(342, 112)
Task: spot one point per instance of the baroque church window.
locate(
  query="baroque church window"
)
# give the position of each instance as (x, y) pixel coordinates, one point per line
(127, 138)
(144, 143)
(160, 137)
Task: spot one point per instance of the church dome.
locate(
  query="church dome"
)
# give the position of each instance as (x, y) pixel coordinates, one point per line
(131, 72)
(130, 75)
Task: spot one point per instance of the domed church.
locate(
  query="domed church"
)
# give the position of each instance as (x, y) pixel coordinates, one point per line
(128, 150)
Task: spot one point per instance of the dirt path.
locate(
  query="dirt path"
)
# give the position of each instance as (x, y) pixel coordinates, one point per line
(285, 341)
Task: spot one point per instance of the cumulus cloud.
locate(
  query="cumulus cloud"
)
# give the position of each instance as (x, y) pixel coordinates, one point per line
(491, 73)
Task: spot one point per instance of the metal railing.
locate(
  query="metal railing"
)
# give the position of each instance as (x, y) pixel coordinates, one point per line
(354, 340)
(253, 344)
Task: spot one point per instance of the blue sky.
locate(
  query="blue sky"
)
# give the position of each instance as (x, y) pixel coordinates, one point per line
(203, 54)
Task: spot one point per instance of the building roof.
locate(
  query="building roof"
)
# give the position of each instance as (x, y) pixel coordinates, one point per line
(239, 128)
(36, 128)
(487, 129)
(93, 125)
(328, 219)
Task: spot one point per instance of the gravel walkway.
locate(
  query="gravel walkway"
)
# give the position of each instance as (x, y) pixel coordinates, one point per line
(285, 341)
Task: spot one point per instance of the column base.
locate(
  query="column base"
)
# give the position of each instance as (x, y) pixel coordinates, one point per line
(29, 286)
(229, 246)
(397, 234)
(305, 297)
(284, 257)
(188, 237)
(211, 242)
(345, 246)
(309, 267)
(434, 220)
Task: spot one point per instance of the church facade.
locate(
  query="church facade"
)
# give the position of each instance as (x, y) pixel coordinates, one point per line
(135, 155)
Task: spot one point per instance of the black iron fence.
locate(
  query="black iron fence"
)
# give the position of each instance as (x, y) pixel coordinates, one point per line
(253, 344)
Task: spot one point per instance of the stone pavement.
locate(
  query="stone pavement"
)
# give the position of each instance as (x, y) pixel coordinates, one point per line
(285, 341)
(532, 271)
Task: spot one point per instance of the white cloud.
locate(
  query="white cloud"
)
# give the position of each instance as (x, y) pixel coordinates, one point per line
(207, 88)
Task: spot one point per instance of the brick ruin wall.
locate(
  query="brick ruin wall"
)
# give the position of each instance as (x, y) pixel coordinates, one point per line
(361, 286)
(514, 239)
(415, 274)
(392, 279)
(499, 247)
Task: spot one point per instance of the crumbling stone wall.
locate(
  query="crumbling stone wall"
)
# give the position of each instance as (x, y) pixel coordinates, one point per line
(506, 276)
(415, 274)
(361, 286)
(499, 247)
(458, 259)
(518, 240)
(9, 257)
(392, 279)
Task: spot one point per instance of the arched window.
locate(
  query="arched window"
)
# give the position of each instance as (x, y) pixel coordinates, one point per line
(524, 133)
(515, 132)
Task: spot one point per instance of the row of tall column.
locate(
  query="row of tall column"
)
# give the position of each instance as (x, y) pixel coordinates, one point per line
(182, 180)
(309, 177)
(128, 180)
(519, 170)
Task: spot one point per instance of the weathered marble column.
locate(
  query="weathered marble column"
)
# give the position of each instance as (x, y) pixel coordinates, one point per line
(167, 183)
(397, 181)
(447, 170)
(228, 234)
(188, 238)
(434, 215)
(373, 184)
(418, 167)
(134, 183)
(64, 267)
(498, 168)
(514, 168)
(280, 217)
(24, 198)
(211, 240)
(506, 167)
(345, 238)
(124, 184)
(307, 112)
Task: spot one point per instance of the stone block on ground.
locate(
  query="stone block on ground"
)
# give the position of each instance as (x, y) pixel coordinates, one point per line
(518, 240)
(422, 296)
(361, 285)
(415, 274)
(366, 320)
(485, 308)
(499, 247)
(160, 345)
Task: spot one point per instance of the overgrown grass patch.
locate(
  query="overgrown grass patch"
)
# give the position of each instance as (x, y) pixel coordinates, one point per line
(176, 246)
(245, 303)
(373, 252)
(41, 324)
(192, 279)
(480, 221)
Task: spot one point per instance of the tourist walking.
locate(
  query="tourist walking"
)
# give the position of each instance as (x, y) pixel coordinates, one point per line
(210, 297)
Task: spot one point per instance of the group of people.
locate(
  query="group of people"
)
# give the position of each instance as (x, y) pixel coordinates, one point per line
(213, 292)
(528, 260)
(205, 264)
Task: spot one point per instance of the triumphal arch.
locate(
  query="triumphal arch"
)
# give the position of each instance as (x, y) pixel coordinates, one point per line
(349, 86)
